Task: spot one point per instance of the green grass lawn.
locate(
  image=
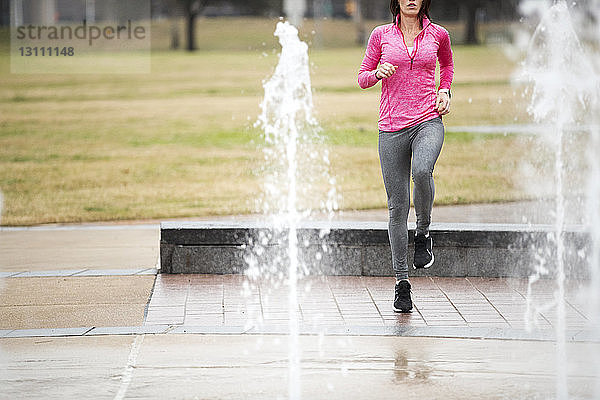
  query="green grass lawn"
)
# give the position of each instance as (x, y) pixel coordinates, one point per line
(180, 142)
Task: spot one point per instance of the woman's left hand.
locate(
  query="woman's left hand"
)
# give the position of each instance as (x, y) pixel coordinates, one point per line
(443, 103)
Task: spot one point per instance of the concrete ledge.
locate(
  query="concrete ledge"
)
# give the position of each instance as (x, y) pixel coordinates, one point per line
(362, 248)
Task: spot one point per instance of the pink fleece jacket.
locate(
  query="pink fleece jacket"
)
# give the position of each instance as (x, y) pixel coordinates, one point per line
(408, 97)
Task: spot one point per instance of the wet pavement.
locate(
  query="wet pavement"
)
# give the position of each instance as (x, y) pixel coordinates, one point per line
(256, 367)
(220, 304)
(74, 301)
(366, 302)
(84, 315)
(78, 247)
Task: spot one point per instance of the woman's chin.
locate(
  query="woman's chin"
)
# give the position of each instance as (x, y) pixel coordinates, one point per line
(411, 13)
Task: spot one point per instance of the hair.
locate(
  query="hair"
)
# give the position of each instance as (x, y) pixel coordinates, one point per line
(423, 12)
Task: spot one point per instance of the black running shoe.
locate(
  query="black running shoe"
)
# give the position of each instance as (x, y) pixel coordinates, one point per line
(423, 252)
(402, 300)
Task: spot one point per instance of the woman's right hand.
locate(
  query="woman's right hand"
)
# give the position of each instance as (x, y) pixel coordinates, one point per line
(385, 70)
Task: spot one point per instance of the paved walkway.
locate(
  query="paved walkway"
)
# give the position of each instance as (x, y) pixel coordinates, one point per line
(443, 307)
(79, 247)
(83, 315)
(361, 302)
(257, 367)
(51, 287)
(449, 307)
(73, 302)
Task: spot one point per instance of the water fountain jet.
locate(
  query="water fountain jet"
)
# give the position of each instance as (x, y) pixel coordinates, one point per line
(564, 86)
(295, 160)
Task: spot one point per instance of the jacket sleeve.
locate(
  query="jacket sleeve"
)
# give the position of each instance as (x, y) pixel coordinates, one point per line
(366, 73)
(446, 61)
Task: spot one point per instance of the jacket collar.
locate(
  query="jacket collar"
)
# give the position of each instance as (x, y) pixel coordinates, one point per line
(426, 22)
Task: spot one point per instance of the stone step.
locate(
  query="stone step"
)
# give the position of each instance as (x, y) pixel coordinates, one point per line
(362, 248)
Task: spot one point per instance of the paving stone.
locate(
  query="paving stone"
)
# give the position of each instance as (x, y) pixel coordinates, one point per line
(336, 301)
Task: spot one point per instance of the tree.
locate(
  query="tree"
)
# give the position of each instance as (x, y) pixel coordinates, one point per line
(361, 34)
(193, 8)
(471, 7)
(470, 11)
(492, 9)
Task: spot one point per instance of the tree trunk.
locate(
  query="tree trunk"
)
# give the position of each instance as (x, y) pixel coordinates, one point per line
(191, 32)
(192, 8)
(471, 30)
(174, 34)
(174, 25)
(359, 23)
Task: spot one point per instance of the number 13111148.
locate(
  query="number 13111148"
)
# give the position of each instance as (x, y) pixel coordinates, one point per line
(46, 51)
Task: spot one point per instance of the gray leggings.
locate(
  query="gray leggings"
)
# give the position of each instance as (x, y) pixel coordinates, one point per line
(422, 143)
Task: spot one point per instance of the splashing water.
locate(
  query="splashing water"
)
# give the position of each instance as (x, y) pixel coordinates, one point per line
(564, 101)
(297, 184)
(593, 191)
(296, 180)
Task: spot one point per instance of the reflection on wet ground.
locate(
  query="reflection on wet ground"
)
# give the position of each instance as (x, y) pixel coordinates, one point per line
(255, 366)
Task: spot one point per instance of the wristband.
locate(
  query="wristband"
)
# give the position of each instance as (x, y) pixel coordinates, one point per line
(446, 91)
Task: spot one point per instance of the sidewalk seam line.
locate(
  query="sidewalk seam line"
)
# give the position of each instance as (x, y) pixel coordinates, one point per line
(187, 296)
(374, 303)
(88, 331)
(336, 302)
(451, 302)
(417, 307)
(524, 296)
(576, 310)
(460, 332)
(74, 273)
(127, 376)
(260, 298)
(489, 302)
(149, 299)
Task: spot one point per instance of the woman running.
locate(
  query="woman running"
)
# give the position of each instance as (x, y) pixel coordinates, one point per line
(403, 55)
